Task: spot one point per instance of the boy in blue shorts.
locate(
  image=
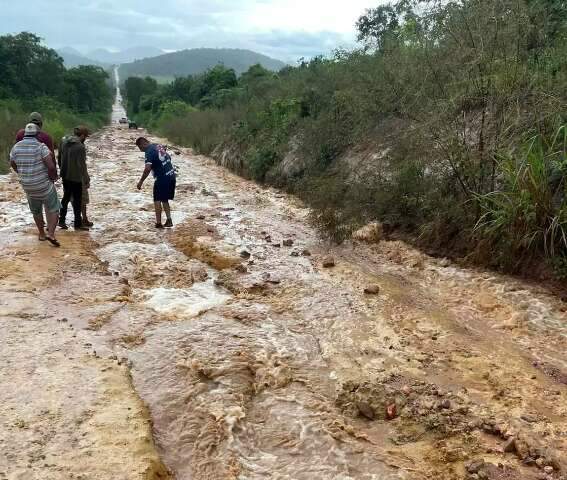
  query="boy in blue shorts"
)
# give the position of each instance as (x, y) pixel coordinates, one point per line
(159, 163)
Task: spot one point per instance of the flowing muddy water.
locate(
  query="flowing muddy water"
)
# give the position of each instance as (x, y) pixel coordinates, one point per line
(253, 360)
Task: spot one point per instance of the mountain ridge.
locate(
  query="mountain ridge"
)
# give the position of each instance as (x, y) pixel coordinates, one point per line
(197, 60)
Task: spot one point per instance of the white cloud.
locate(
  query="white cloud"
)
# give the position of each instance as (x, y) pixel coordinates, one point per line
(288, 29)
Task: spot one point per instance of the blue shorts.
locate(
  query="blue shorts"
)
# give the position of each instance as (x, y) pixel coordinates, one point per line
(164, 189)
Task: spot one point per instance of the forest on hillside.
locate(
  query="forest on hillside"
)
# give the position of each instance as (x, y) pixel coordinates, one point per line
(447, 125)
(34, 79)
(197, 60)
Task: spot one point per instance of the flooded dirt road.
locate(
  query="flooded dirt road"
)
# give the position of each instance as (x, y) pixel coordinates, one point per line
(232, 347)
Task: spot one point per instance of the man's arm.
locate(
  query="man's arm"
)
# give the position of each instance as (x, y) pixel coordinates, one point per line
(51, 168)
(147, 171)
(12, 162)
(49, 162)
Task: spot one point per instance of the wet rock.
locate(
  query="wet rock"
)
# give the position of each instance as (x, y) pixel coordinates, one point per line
(529, 418)
(445, 404)
(288, 242)
(295, 253)
(200, 217)
(510, 446)
(245, 254)
(124, 281)
(372, 290)
(328, 262)
(366, 410)
(391, 411)
(548, 469)
(444, 262)
(371, 233)
(306, 253)
(474, 466)
(268, 238)
(241, 268)
(277, 245)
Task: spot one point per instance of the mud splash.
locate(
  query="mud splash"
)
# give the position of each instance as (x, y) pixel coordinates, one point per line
(256, 362)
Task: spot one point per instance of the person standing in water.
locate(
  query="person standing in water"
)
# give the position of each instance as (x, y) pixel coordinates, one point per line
(73, 164)
(159, 163)
(35, 166)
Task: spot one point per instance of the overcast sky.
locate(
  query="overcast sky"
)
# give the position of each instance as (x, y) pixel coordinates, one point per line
(285, 29)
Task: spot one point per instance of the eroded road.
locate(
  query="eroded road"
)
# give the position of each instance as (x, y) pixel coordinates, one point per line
(223, 349)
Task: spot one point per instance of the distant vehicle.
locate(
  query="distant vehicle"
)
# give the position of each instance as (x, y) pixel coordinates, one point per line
(123, 120)
(133, 125)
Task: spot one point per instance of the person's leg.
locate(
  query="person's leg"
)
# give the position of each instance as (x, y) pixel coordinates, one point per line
(52, 218)
(85, 218)
(52, 207)
(65, 204)
(167, 210)
(157, 206)
(77, 189)
(36, 209)
(166, 207)
(38, 219)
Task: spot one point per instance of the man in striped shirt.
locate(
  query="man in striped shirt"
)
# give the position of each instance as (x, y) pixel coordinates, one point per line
(36, 169)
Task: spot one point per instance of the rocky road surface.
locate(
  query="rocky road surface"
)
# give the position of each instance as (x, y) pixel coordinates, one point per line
(238, 345)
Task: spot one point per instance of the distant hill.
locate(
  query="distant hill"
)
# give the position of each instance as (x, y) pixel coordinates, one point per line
(198, 60)
(74, 58)
(124, 56)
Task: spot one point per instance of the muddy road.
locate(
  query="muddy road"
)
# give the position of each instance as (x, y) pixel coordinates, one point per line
(225, 349)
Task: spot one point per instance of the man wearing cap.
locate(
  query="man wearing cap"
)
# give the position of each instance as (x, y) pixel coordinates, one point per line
(41, 136)
(73, 164)
(36, 169)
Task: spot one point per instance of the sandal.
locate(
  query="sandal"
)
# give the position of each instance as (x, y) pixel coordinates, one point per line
(53, 241)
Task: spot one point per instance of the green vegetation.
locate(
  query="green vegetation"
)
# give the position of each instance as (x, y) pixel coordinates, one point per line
(444, 125)
(34, 79)
(197, 61)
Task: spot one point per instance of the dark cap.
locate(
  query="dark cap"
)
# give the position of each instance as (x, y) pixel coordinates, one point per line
(82, 130)
(36, 118)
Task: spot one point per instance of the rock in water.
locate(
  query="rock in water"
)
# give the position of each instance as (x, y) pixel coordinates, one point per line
(288, 242)
(372, 290)
(328, 262)
(371, 233)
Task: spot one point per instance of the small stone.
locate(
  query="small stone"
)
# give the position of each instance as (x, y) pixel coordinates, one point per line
(241, 268)
(539, 462)
(482, 475)
(200, 217)
(366, 410)
(306, 253)
(288, 242)
(124, 281)
(444, 262)
(474, 466)
(391, 411)
(510, 445)
(277, 245)
(245, 254)
(328, 262)
(548, 469)
(529, 418)
(268, 238)
(444, 404)
(372, 290)
(295, 253)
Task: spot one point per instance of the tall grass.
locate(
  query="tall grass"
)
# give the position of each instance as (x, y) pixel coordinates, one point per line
(201, 130)
(528, 212)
